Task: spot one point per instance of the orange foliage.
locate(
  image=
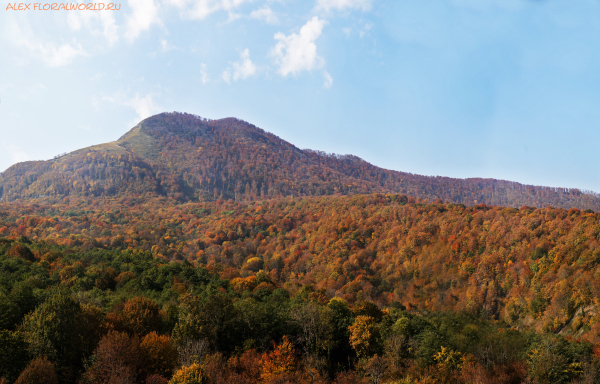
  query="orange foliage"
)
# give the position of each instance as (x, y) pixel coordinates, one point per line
(160, 354)
(280, 361)
(38, 371)
(141, 315)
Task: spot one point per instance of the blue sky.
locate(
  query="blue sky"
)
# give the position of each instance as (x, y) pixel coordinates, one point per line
(508, 89)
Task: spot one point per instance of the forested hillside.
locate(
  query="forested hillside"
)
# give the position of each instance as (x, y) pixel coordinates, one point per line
(199, 251)
(187, 158)
(531, 268)
(107, 316)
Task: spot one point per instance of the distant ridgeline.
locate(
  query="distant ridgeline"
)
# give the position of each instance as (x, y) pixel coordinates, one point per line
(185, 157)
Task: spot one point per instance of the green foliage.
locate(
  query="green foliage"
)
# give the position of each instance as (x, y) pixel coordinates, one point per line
(13, 354)
(53, 330)
(9, 312)
(88, 331)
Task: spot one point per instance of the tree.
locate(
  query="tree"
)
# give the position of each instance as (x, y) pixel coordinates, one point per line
(364, 336)
(376, 368)
(9, 312)
(117, 356)
(39, 371)
(160, 354)
(52, 330)
(280, 361)
(193, 374)
(317, 325)
(142, 316)
(13, 354)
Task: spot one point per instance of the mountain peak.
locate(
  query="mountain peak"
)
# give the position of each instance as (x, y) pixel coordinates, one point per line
(188, 157)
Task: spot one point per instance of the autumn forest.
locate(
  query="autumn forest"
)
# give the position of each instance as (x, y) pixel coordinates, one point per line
(199, 251)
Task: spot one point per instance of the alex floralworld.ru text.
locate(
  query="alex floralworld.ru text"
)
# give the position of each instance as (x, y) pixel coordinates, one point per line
(63, 6)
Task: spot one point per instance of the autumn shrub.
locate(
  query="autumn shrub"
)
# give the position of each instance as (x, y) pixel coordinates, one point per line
(39, 371)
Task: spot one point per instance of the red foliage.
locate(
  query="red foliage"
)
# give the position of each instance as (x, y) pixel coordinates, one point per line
(118, 356)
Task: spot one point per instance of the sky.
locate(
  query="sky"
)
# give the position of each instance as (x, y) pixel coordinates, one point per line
(506, 89)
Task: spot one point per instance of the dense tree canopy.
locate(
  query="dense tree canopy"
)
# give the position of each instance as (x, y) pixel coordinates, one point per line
(377, 288)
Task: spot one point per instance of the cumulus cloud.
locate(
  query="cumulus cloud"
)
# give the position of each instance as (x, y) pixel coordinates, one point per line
(144, 13)
(15, 152)
(298, 52)
(203, 74)
(226, 76)
(265, 14)
(165, 46)
(200, 9)
(341, 5)
(50, 53)
(98, 23)
(328, 80)
(63, 55)
(241, 69)
(143, 106)
(365, 29)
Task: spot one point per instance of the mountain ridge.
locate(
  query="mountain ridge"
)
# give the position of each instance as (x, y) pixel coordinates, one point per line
(186, 157)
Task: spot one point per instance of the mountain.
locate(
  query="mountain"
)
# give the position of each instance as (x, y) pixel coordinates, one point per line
(185, 157)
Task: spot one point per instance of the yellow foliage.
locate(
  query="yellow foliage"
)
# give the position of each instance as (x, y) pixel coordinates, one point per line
(194, 374)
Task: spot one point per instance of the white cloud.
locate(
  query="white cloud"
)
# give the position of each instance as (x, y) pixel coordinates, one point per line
(365, 29)
(63, 55)
(298, 52)
(200, 9)
(52, 55)
(165, 46)
(265, 14)
(245, 67)
(143, 106)
(203, 74)
(16, 153)
(144, 13)
(232, 16)
(98, 23)
(241, 69)
(226, 76)
(328, 80)
(341, 5)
